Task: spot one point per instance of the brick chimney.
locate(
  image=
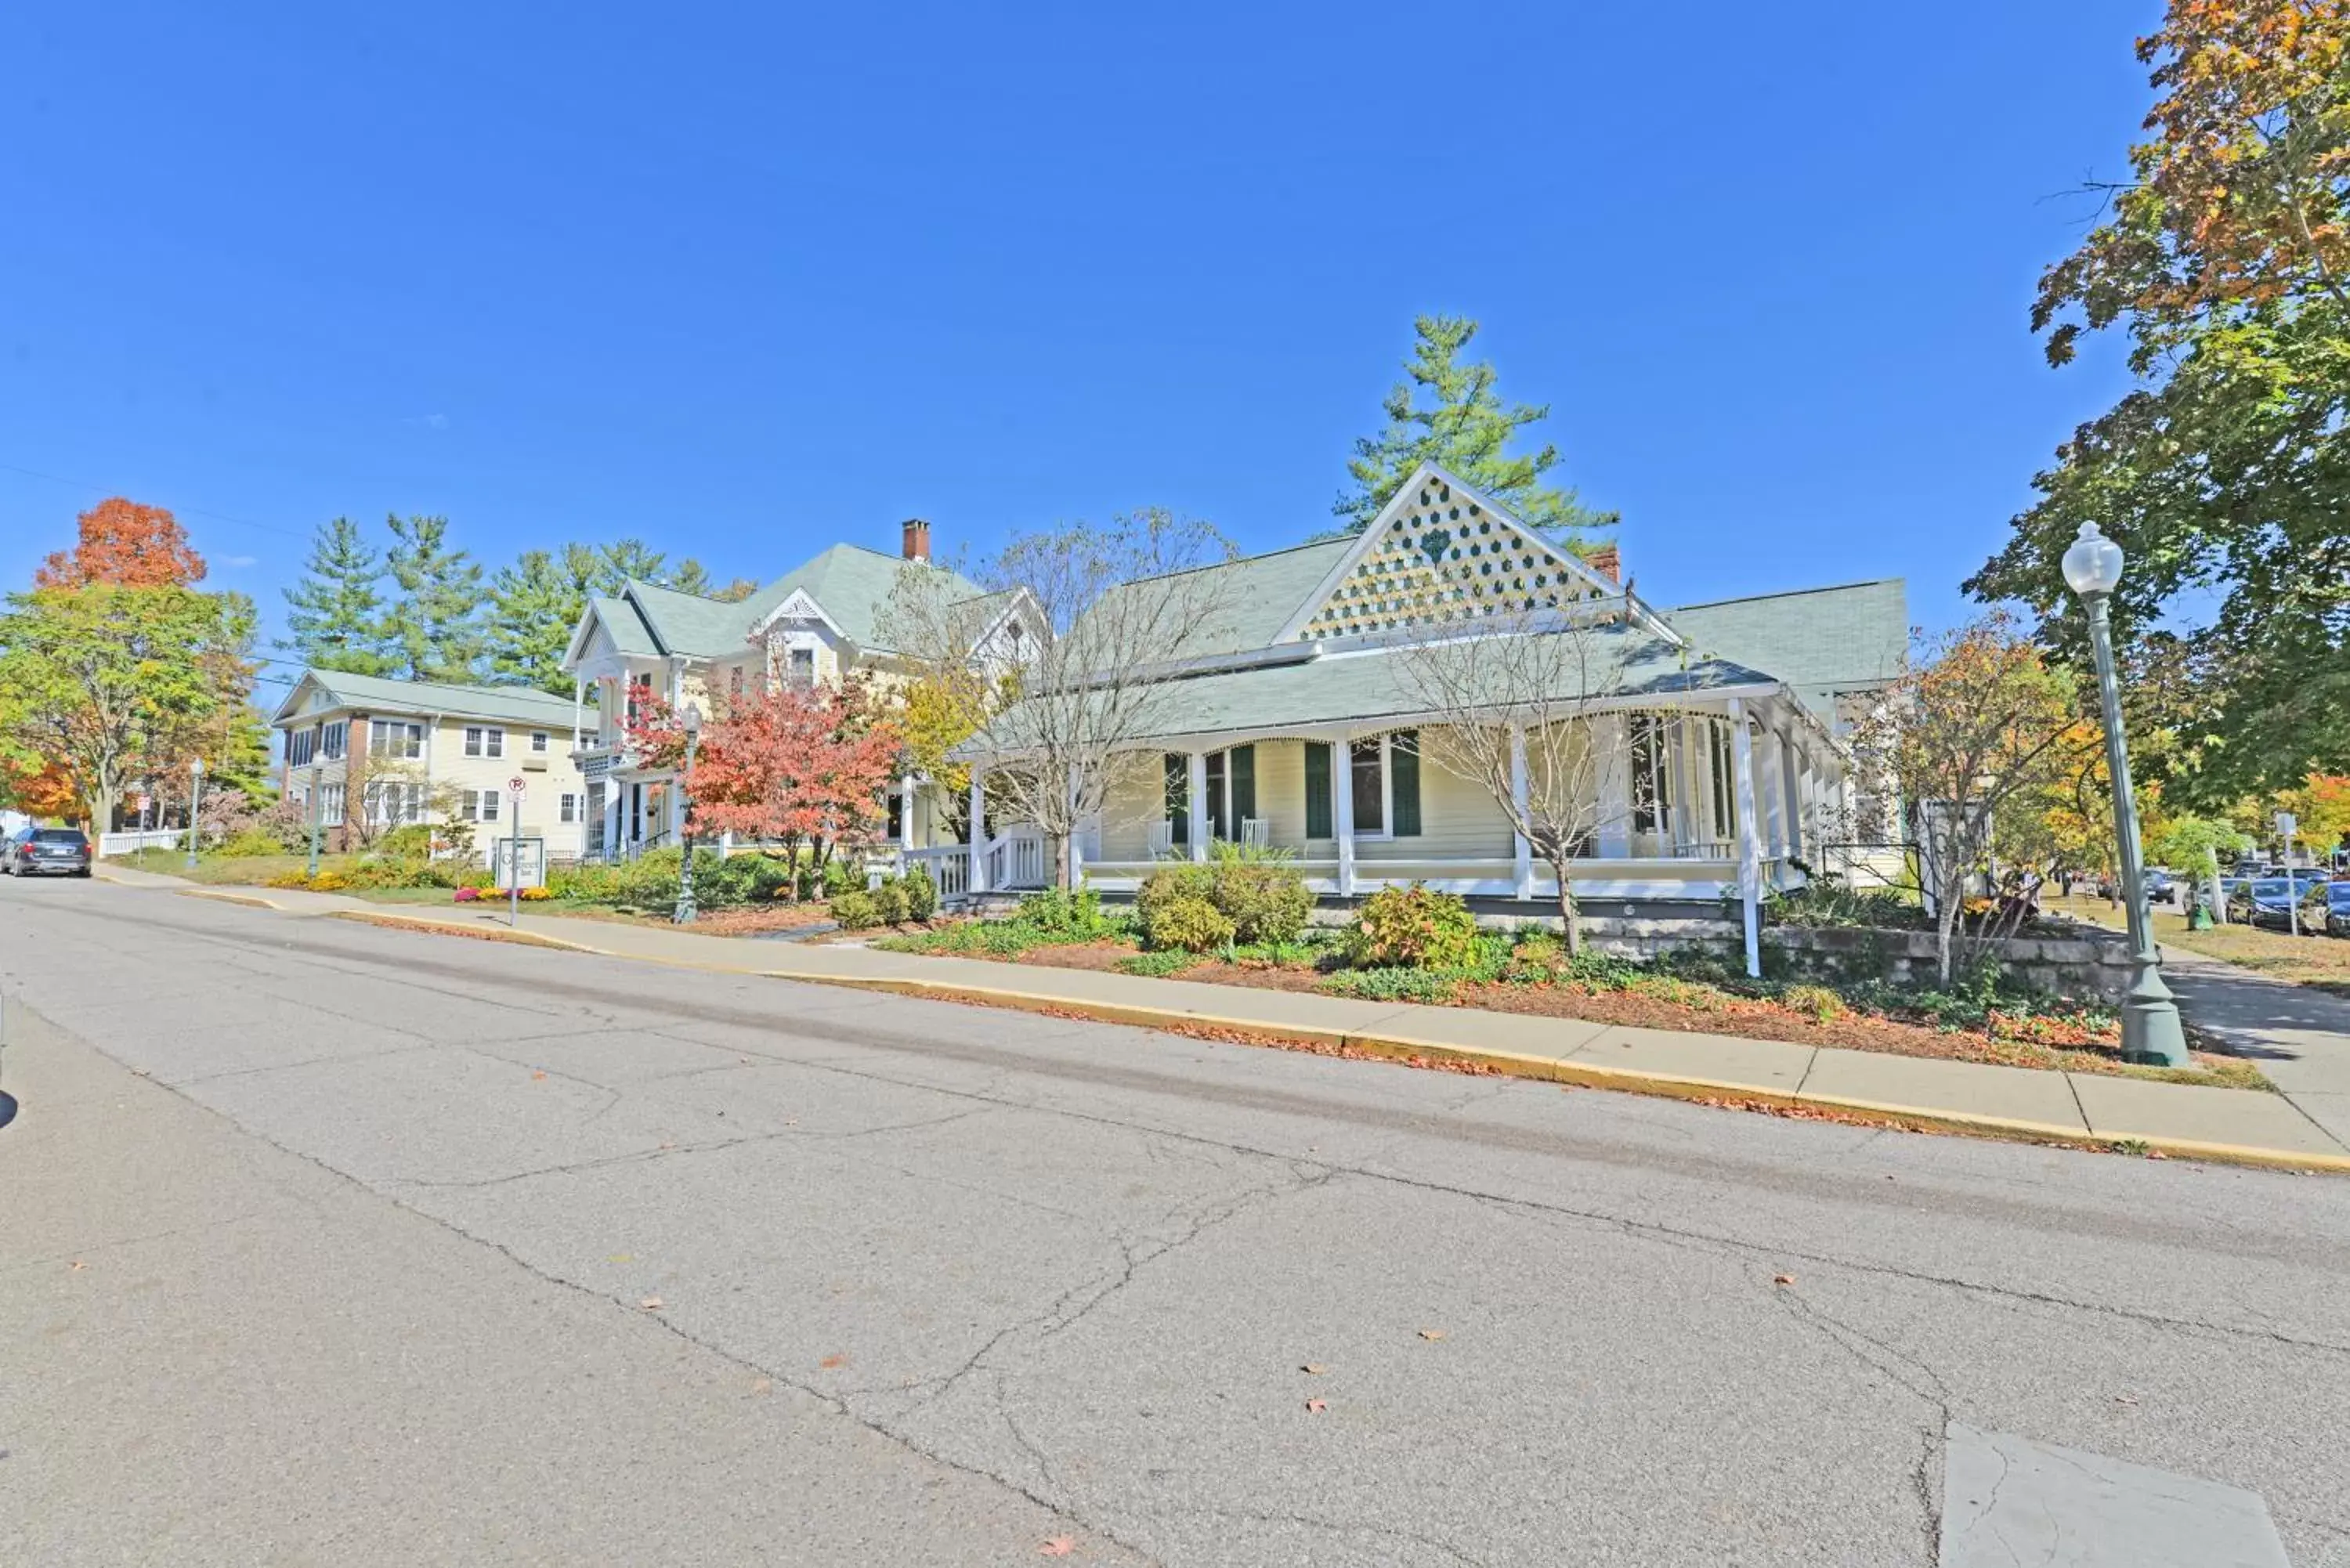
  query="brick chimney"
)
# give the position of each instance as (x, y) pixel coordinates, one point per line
(917, 546)
(1608, 562)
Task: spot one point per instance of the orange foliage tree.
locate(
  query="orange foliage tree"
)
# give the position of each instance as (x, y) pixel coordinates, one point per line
(794, 764)
(126, 543)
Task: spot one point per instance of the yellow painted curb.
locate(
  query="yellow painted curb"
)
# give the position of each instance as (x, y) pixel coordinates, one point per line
(250, 900)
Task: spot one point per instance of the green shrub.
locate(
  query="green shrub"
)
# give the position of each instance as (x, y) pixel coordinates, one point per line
(921, 893)
(889, 900)
(1816, 1002)
(1414, 928)
(1829, 902)
(1265, 901)
(855, 909)
(1159, 962)
(720, 881)
(772, 875)
(250, 841)
(840, 876)
(413, 839)
(1191, 924)
(1061, 913)
(585, 883)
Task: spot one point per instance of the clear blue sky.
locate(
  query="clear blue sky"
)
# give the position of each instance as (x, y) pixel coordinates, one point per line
(743, 282)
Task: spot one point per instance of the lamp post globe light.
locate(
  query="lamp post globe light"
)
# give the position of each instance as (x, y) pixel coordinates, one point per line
(2150, 1027)
(195, 799)
(685, 912)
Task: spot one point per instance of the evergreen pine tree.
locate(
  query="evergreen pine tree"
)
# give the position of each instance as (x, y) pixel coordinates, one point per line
(335, 613)
(435, 631)
(1465, 430)
(538, 604)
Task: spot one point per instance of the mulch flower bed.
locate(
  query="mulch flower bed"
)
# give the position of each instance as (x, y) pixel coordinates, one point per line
(2040, 1043)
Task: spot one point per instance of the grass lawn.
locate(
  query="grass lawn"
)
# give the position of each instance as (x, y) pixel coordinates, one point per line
(227, 870)
(2321, 961)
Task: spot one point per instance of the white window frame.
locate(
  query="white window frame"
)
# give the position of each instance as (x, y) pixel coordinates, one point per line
(301, 746)
(568, 808)
(538, 740)
(401, 739)
(1387, 788)
(486, 741)
(335, 740)
(331, 803)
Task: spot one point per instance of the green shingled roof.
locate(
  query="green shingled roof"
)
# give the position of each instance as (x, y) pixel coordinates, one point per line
(1371, 687)
(1254, 597)
(1817, 640)
(372, 694)
(853, 585)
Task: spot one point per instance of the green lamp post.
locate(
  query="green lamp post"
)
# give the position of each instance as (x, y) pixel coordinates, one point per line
(2151, 1032)
(195, 801)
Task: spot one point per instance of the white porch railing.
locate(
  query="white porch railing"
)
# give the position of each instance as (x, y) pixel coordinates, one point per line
(949, 866)
(1017, 859)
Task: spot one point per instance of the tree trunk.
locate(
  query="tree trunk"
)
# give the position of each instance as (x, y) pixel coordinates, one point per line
(1570, 913)
(1945, 919)
(1060, 842)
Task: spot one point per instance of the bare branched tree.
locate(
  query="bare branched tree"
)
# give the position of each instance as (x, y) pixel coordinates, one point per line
(1513, 699)
(1981, 725)
(1068, 663)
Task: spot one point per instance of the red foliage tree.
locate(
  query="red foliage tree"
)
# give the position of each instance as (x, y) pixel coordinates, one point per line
(798, 765)
(126, 543)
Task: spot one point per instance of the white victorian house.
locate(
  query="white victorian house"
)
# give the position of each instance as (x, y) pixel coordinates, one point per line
(823, 619)
(1299, 723)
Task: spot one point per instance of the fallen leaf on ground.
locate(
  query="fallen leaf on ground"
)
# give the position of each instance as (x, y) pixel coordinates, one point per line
(1316, 1407)
(540, 1073)
(1431, 1333)
(1313, 1367)
(762, 1385)
(1059, 1546)
(2156, 1154)
(1783, 1279)
(837, 1359)
(621, 1258)
(77, 1264)
(2125, 1398)
(650, 1303)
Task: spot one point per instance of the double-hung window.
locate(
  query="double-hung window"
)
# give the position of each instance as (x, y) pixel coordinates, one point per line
(538, 740)
(479, 806)
(803, 666)
(301, 746)
(330, 802)
(334, 739)
(569, 805)
(484, 741)
(1652, 795)
(1725, 789)
(395, 738)
(1382, 782)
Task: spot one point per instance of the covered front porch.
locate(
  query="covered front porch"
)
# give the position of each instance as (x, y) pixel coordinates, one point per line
(1694, 804)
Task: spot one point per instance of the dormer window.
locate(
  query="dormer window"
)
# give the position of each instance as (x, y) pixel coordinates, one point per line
(802, 669)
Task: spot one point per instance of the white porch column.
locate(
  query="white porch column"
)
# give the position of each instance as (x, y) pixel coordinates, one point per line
(1195, 792)
(1522, 849)
(579, 707)
(1791, 764)
(1342, 801)
(905, 812)
(977, 881)
(1750, 855)
(1612, 746)
(1768, 776)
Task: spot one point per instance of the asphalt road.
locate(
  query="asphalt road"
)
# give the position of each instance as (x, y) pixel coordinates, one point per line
(321, 1243)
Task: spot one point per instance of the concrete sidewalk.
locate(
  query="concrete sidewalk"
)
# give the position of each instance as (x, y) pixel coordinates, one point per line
(2185, 1119)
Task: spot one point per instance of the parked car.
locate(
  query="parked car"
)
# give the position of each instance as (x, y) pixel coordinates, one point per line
(2269, 900)
(2337, 909)
(46, 852)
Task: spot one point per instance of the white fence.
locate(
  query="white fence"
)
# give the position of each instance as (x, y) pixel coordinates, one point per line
(146, 838)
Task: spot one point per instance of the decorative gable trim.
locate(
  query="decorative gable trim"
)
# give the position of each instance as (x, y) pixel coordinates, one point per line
(292, 705)
(1439, 552)
(798, 605)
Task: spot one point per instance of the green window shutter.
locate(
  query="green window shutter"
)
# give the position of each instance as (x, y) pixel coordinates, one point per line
(1241, 768)
(1317, 790)
(1178, 795)
(1403, 780)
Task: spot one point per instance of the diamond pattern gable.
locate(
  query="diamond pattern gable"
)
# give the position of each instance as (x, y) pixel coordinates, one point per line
(1441, 553)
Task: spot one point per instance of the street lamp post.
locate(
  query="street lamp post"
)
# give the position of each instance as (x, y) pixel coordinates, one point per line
(685, 911)
(195, 799)
(313, 820)
(2151, 1032)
